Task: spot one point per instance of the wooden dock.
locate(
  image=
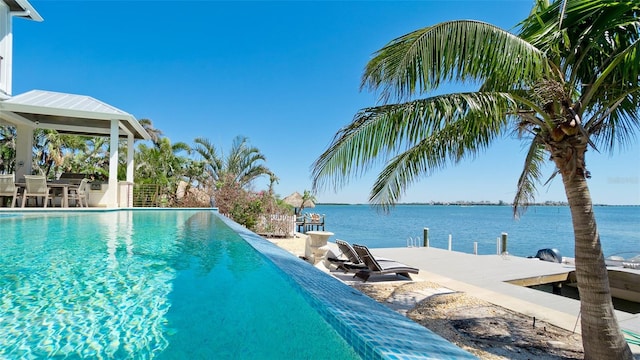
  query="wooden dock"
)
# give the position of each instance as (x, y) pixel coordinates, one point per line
(502, 280)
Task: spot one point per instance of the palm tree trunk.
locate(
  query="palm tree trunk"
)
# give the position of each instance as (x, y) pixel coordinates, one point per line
(601, 334)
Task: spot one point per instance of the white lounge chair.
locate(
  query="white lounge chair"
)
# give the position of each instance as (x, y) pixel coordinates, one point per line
(8, 187)
(80, 194)
(36, 186)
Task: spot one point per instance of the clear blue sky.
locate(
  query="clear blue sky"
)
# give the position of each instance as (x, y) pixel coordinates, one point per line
(284, 74)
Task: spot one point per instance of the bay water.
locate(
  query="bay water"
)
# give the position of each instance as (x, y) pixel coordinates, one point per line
(540, 227)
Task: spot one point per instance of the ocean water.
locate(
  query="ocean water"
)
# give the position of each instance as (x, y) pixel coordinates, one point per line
(540, 227)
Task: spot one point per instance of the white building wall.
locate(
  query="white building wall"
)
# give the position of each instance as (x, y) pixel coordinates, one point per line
(6, 51)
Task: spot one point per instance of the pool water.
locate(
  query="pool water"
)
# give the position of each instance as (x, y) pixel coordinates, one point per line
(149, 284)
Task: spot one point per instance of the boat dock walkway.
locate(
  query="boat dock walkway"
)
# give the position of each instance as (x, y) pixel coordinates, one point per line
(486, 277)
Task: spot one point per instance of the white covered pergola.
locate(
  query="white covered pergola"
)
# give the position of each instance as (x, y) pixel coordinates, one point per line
(74, 115)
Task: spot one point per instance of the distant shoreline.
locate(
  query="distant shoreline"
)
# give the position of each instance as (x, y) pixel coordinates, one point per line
(470, 203)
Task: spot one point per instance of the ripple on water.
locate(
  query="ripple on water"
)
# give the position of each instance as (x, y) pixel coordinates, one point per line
(58, 312)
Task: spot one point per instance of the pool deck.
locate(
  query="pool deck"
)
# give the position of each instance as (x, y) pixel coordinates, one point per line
(486, 276)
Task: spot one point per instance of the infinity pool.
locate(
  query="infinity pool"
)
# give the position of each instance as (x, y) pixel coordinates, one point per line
(180, 284)
(148, 284)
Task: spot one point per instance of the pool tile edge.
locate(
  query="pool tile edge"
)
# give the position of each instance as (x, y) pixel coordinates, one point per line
(374, 330)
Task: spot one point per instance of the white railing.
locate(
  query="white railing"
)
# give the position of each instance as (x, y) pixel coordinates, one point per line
(276, 225)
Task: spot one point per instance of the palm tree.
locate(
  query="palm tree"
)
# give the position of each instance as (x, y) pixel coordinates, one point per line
(308, 199)
(242, 165)
(212, 163)
(245, 163)
(225, 178)
(156, 134)
(92, 159)
(568, 81)
(273, 180)
(52, 150)
(162, 165)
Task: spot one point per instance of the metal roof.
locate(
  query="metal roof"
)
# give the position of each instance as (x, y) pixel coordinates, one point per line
(68, 114)
(22, 8)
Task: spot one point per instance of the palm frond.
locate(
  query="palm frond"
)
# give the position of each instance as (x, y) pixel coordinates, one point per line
(596, 51)
(530, 176)
(445, 127)
(623, 64)
(211, 159)
(449, 145)
(421, 60)
(616, 123)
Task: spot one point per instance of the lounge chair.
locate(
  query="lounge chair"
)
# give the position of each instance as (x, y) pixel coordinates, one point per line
(8, 187)
(315, 220)
(353, 262)
(375, 267)
(348, 260)
(348, 251)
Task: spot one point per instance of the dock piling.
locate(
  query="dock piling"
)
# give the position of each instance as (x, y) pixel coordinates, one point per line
(425, 237)
(504, 243)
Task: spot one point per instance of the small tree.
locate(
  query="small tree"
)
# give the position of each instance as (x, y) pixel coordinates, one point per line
(307, 199)
(240, 205)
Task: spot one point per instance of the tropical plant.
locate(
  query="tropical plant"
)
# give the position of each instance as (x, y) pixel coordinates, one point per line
(154, 133)
(242, 165)
(92, 159)
(307, 199)
(162, 165)
(212, 164)
(239, 204)
(7, 149)
(273, 180)
(52, 150)
(56, 153)
(568, 81)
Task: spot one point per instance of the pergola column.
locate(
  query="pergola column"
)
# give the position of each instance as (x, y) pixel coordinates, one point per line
(111, 197)
(24, 150)
(125, 188)
(130, 158)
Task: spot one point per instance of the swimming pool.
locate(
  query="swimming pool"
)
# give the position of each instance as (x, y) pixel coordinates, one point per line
(179, 284)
